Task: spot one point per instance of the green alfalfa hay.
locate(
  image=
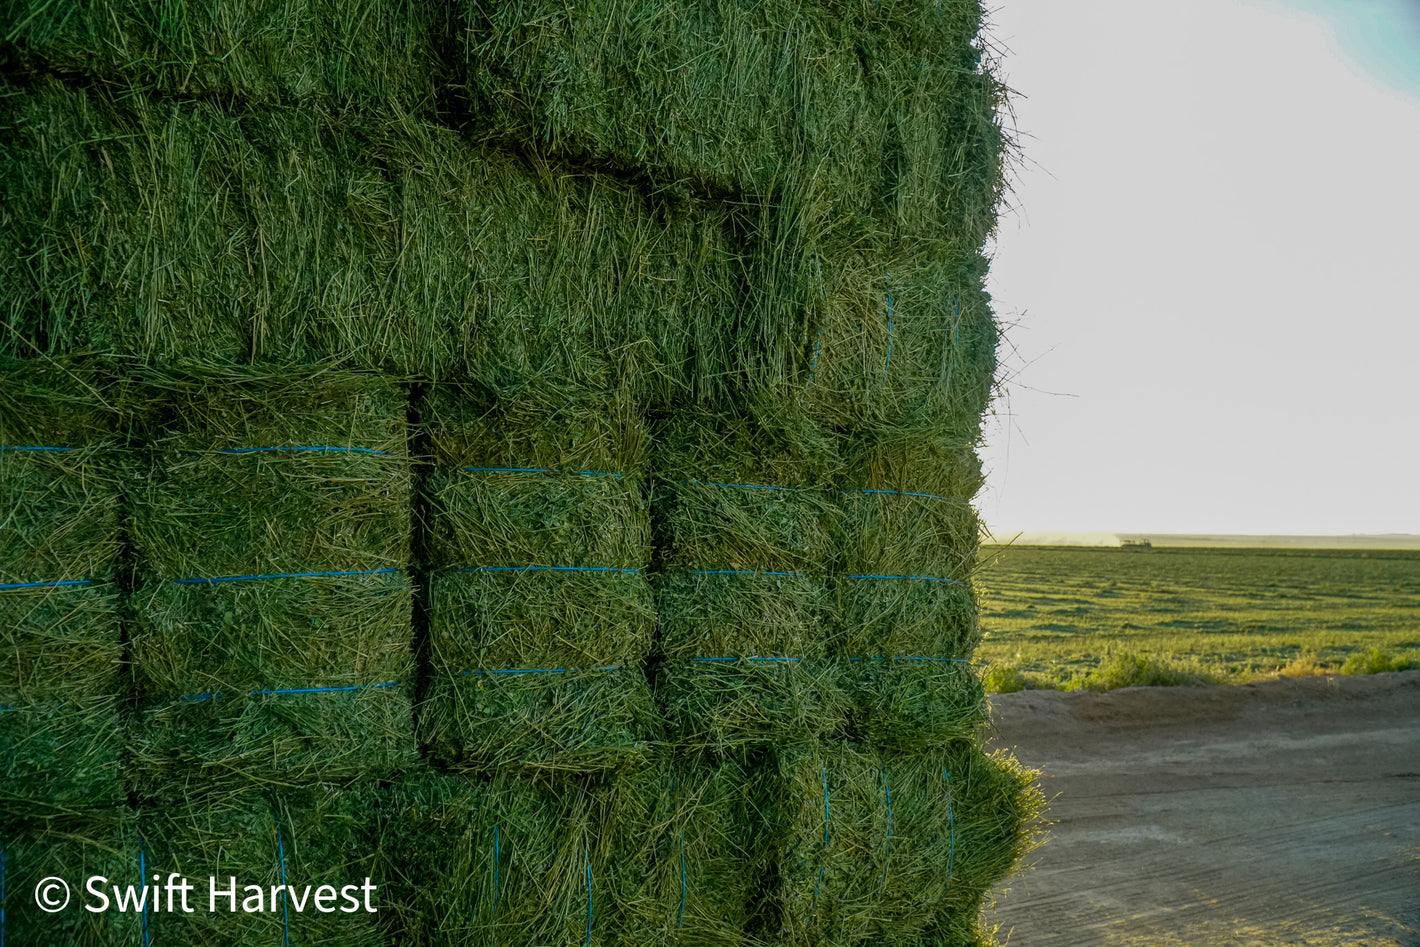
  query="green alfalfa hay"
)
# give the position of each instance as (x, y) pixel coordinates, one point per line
(544, 273)
(406, 248)
(303, 681)
(260, 478)
(540, 614)
(62, 468)
(900, 848)
(168, 230)
(274, 471)
(891, 107)
(374, 54)
(911, 705)
(104, 843)
(903, 337)
(700, 844)
(746, 541)
(861, 101)
(905, 593)
(60, 699)
(511, 860)
(63, 458)
(253, 841)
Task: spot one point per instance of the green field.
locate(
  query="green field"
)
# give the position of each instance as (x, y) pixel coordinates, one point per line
(1069, 617)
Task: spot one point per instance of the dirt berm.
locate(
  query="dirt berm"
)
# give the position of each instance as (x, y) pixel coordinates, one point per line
(1279, 812)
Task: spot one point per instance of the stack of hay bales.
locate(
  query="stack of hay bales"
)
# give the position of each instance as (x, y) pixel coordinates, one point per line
(552, 467)
(62, 462)
(539, 620)
(273, 600)
(271, 653)
(746, 529)
(540, 613)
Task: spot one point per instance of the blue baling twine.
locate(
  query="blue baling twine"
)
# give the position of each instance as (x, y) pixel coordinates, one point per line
(143, 879)
(887, 842)
(546, 569)
(497, 857)
(823, 774)
(680, 917)
(544, 470)
(588, 855)
(951, 833)
(46, 585)
(282, 575)
(909, 493)
(888, 360)
(318, 449)
(728, 659)
(298, 690)
(285, 905)
(34, 447)
(765, 486)
(324, 690)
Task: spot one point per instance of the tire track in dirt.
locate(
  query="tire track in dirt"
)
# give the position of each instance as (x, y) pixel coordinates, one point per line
(1283, 812)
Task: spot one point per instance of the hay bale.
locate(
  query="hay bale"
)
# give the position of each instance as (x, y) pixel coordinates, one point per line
(899, 848)
(274, 637)
(105, 843)
(902, 342)
(319, 53)
(512, 860)
(62, 467)
(542, 274)
(540, 614)
(321, 836)
(60, 725)
(745, 98)
(702, 853)
(167, 230)
(745, 543)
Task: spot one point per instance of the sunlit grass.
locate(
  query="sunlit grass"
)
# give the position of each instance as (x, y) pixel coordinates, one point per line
(1083, 617)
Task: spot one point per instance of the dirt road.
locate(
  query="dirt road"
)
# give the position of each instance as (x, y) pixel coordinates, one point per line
(1281, 812)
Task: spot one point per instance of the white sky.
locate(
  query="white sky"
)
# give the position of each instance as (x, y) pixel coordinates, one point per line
(1215, 264)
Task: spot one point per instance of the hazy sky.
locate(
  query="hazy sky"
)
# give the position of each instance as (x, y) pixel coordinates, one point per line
(1213, 268)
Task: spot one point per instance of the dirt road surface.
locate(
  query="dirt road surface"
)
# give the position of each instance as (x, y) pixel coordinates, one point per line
(1280, 812)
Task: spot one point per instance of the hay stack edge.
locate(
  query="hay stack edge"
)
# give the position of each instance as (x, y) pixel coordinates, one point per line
(520, 454)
